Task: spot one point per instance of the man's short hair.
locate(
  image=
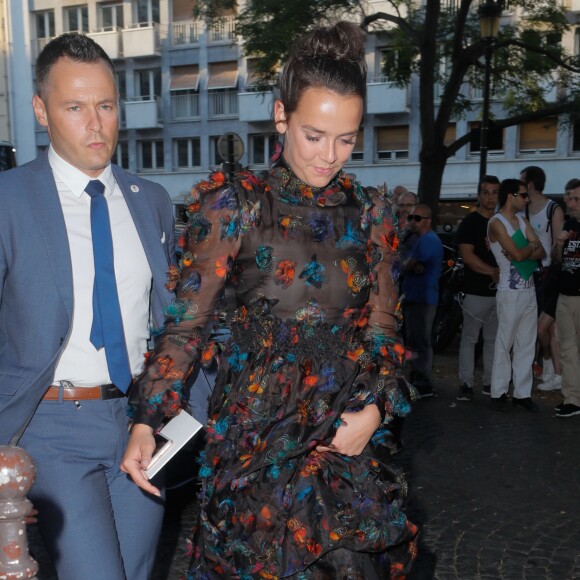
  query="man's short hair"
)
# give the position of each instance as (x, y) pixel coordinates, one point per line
(408, 194)
(491, 179)
(508, 186)
(424, 208)
(572, 184)
(536, 175)
(74, 46)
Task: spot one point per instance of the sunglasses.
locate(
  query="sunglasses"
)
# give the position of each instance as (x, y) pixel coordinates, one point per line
(417, 218)
(524, 195)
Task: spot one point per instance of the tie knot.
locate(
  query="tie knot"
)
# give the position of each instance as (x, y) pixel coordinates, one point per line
(95, 187)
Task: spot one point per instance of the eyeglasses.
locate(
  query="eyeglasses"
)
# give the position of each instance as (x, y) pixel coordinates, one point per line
(417, 218)
(524, 195)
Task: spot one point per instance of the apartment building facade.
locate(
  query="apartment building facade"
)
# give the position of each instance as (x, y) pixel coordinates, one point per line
(184, 84)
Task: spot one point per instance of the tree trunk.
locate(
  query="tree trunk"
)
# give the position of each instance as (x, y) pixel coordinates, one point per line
(431, 177)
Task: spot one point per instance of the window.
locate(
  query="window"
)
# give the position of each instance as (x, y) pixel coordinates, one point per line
(392, 143)
(45, 24)
(222, 29)
(111, 16)
(262, 148)
(450, 134)
(576, 137)
(494, 139)
(392, 60)
(76, 19)
(184, 92)
(187, 153)
(222, 89)
(121, 155)
(150, 155)
(538, 137)
(148, 84)
(146, 11)
(122, 84)
(214, 156)
(358, 153)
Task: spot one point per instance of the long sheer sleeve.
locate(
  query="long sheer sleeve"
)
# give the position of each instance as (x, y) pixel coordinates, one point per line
(382, 358)
(211, 242)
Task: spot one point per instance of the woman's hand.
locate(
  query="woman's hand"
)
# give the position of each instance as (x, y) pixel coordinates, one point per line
(138, 456)
(355, 433)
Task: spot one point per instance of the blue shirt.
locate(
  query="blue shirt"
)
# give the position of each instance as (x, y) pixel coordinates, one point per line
(424, 288)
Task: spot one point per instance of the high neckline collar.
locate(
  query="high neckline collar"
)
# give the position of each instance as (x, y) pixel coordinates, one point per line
(294, 191)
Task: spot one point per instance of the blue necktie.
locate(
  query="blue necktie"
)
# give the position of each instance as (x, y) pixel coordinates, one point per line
(107, 330)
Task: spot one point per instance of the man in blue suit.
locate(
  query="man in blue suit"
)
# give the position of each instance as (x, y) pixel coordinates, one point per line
(62, 384)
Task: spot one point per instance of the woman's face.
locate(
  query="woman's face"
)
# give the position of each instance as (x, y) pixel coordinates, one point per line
(320, 134)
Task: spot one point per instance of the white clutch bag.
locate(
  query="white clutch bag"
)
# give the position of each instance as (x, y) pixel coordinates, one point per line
(178, 431)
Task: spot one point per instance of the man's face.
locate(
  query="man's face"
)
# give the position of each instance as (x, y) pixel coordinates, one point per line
(520, 199)
(573, 203)
(404, 206)
(80, 111)
(419, 222)
(488, 196)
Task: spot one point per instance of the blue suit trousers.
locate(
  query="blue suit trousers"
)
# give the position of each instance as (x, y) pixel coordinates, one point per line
(96, 523)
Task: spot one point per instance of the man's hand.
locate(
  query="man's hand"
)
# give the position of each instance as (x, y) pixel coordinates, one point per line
(495, 276)
(353, 436)
(138, 456)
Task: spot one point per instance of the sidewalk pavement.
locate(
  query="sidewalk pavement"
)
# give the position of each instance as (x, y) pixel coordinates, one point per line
(496, 495)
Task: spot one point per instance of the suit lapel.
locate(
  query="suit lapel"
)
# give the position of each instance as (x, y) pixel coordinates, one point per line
(149, 229)
(47, 212)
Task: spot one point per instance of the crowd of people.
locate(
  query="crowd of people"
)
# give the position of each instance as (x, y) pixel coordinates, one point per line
(521, 279)
(306, 410)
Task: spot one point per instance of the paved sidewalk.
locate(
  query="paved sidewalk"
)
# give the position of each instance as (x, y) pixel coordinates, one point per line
(497, 495)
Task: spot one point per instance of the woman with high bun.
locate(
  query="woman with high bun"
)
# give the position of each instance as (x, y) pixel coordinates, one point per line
(297, 476)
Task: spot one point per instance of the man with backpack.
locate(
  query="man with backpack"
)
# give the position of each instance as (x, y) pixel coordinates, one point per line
(546, 217)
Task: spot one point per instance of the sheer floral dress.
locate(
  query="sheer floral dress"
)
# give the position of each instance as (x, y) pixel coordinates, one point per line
(308, 278)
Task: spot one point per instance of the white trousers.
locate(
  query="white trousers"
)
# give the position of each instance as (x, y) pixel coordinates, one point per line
(515, 342)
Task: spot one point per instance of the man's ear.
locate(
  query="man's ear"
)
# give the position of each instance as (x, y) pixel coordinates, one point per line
(280, 117)
(40, 110)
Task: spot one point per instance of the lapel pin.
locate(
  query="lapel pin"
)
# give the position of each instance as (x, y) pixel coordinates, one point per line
(134, 188)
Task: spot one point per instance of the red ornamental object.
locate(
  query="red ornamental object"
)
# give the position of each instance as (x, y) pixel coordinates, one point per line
(17, 474)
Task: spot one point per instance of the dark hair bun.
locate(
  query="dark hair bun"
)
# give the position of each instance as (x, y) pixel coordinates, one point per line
(329, 57)
(343, 41)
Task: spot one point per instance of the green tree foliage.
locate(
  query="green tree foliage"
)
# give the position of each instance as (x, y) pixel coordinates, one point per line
(439, 42)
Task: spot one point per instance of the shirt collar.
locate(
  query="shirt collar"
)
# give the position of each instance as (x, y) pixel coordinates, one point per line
(74, 179)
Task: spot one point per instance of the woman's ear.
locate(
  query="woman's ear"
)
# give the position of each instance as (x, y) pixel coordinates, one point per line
(280, 117)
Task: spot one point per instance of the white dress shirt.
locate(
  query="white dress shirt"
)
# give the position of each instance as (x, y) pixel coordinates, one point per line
(81, 363)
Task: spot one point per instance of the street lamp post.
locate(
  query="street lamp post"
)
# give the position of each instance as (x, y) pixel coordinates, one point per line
(489, 14)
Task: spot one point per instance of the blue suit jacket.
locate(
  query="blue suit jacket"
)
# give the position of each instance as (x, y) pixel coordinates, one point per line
(36, 288)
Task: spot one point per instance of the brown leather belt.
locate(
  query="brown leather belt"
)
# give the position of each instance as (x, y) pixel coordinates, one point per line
(72, 393)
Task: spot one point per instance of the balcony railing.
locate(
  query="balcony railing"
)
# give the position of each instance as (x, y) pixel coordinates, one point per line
(255, 106)
(110, 40)
(142, 112)
(185, 32)
(222, 29)
(185, 107)
(223, 103)
(141, 39)
(385, 97)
